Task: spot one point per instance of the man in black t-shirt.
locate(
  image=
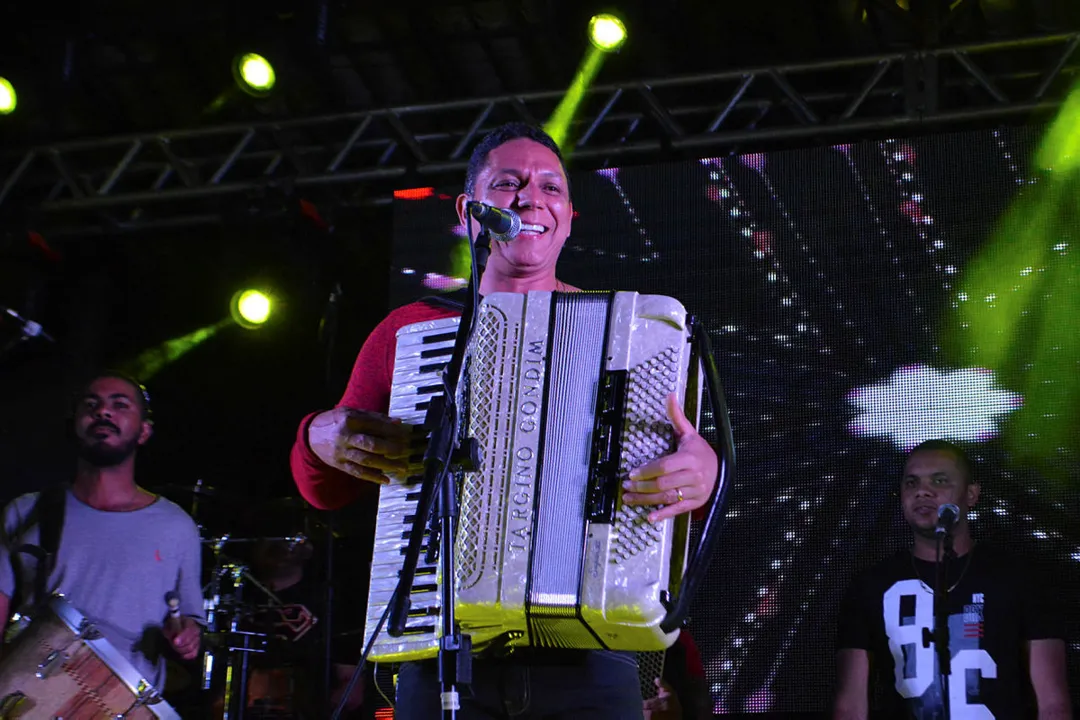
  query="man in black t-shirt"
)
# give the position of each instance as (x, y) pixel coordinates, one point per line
(1005, 628)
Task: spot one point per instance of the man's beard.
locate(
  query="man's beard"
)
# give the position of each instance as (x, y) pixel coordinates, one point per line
(101, 455)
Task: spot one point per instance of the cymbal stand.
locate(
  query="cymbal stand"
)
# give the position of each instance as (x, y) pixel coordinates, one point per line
(240, 643)
(195, 504)
(211, 600)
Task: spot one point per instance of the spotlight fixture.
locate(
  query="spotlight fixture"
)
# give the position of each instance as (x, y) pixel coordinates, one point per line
(254, 74)
(250, 308)
(607, 32)
(8, 99)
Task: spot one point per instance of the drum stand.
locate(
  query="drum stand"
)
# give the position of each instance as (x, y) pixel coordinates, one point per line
(240, 644)
(236, 653)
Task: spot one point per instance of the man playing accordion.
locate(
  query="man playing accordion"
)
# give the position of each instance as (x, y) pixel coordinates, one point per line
(342, 455)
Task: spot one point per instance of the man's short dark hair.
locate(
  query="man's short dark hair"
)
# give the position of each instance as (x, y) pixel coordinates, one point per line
(963, 460)
(500, 136)
(142, 395)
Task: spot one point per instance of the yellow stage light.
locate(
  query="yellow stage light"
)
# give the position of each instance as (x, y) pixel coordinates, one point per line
(607, 32)
(250, 308)
(255, 74)
(8, 100)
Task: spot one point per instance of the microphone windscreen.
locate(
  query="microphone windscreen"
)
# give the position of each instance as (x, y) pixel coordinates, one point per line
(948, 510)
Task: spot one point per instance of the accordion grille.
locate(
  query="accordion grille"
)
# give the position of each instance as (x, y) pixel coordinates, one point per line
(648, 434)
(492, 383)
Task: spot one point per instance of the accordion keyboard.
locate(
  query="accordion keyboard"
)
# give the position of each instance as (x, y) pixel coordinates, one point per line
(423, 351)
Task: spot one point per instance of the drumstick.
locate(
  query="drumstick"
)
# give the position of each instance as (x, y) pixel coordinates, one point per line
(172, 599)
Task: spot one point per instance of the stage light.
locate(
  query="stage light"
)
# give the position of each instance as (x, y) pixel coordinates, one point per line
(1016, 308)
(250, 308)
(558, 125)
(153, 360)
(254, 74)
(8, 100)
(607, 32)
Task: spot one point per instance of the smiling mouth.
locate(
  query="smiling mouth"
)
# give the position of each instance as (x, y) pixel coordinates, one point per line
(528, 228)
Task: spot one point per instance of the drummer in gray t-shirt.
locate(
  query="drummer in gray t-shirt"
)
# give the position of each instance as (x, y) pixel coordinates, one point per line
(122, 549)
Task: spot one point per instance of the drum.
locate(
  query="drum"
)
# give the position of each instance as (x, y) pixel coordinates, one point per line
(61, 667)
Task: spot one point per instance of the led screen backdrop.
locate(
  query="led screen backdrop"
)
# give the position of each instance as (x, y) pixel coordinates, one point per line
(830, 280)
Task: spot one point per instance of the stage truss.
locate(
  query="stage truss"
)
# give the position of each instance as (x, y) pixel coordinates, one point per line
(193, 177)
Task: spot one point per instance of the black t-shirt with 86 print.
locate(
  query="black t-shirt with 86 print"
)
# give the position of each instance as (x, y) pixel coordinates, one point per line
(999, 603)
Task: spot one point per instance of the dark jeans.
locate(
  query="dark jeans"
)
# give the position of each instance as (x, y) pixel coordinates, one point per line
(530, 685)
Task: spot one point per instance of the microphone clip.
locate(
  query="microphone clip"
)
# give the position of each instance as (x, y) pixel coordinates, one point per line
(27, 328)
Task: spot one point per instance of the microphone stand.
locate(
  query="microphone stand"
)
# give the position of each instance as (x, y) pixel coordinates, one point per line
(27, 329)
(15, 342)
(455, 648)
(945, 555)
(328, 615)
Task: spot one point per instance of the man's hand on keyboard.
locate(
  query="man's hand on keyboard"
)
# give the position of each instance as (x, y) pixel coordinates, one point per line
(682, 481)
(367, 445)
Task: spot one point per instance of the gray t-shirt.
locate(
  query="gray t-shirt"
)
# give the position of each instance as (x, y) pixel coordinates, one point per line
(115, 568)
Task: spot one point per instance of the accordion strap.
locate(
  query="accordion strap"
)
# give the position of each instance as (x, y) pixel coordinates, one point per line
(725, 478)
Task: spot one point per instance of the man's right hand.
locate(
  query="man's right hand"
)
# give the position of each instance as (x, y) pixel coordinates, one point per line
(366, 445)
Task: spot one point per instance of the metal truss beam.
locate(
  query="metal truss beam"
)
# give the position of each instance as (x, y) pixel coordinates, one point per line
(190, 177)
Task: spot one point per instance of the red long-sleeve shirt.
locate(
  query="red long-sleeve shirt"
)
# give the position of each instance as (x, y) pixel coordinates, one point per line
(369, 385)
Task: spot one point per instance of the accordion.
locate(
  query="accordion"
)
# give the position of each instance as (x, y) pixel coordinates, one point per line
(564, 393)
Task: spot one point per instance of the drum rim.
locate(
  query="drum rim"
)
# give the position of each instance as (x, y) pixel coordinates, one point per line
(120, 665)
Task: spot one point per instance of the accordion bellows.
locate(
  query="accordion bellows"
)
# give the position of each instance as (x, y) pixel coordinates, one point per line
(565, 394)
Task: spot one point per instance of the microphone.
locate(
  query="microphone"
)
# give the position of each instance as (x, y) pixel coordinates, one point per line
(503, 224)
(32, 329)
(173, 621)
(947, 515)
